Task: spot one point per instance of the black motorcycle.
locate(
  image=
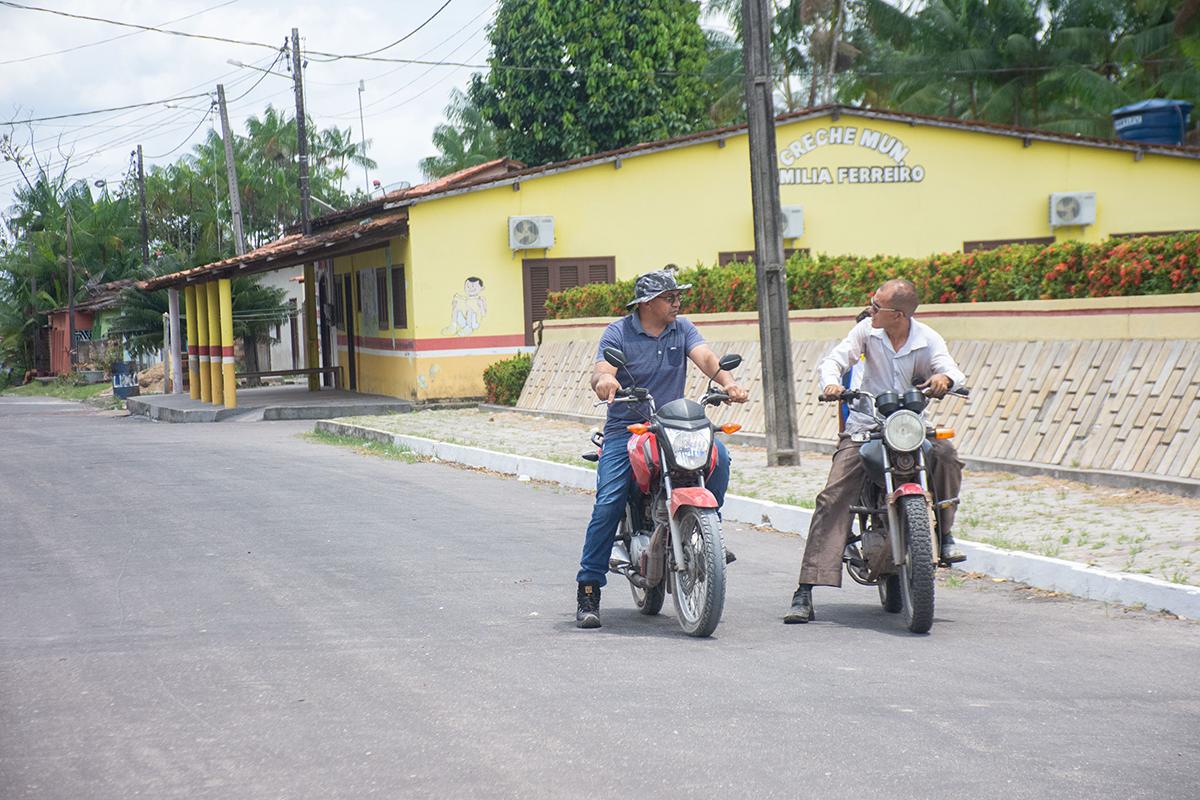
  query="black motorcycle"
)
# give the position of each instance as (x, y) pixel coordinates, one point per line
(896, 545)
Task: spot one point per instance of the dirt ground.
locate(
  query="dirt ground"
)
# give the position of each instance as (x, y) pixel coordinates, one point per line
(1128, 530)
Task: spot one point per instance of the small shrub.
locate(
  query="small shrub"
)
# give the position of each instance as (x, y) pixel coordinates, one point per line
(505, 379)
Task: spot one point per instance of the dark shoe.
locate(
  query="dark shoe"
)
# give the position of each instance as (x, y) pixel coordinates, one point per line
(588, 613)
(802, 607)
(729, 556)
(950, 553)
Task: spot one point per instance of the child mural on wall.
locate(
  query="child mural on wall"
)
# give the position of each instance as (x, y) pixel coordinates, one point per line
(467, 309)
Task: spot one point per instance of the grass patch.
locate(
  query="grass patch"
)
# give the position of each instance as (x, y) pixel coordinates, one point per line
(392, 452)
(61, 388)
(1005, 543)
(954, 582)
(794, 500)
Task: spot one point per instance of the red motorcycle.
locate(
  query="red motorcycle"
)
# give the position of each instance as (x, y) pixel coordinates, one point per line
(670, 537)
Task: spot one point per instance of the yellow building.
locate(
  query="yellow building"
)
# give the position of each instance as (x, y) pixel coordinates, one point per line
(456, 272)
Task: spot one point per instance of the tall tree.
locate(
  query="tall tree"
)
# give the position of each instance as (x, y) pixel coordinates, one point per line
(572, 77)
(465, 139)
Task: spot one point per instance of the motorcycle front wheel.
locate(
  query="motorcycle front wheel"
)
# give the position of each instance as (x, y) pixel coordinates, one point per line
(699, 588)
(916, 573)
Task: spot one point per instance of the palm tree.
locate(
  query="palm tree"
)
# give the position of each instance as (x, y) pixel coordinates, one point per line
(464, 140)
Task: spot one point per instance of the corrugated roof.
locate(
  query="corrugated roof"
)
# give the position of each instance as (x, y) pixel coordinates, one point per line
(294, 248)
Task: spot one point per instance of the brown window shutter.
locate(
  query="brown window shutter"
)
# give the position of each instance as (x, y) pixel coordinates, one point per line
(381, 297)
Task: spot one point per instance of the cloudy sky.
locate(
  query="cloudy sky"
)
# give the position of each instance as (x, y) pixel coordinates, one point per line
(53, 65)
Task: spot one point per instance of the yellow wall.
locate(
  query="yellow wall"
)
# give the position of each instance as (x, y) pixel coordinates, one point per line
(687, 204)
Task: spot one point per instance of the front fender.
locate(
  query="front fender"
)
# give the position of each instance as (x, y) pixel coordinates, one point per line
(903, 489)
(692, 496)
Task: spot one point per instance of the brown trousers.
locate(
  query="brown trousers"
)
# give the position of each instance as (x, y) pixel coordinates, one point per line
(830, 526)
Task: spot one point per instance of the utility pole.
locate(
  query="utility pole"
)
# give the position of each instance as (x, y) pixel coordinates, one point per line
(142, 197)
(70, 296)
(301, 135)
(235, 200)
(362, 129)
(310, 272)
(775, 337)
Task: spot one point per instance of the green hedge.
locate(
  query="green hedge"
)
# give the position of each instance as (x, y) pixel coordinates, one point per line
(505, 379)
(1145, 265)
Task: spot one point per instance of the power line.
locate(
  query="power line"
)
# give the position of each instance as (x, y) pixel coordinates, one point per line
(104, 110)
(153, 28)
(398, 41)
(188, 138)
(112, 39)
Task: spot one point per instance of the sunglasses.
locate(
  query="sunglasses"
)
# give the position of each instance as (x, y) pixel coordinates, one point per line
(672, 298)
(876, 308)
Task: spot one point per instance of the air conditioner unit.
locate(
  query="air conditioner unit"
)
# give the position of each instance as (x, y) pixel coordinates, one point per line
(1072, 208)
(793, 222)
(530, 233)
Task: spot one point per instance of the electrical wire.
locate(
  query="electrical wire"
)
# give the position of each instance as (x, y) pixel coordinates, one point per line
(405, 37)
(188, 138)
(105, 110)
(154, 28)
(112, 39)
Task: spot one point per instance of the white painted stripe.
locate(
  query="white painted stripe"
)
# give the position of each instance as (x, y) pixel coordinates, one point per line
(228, 360)
(475, 351)
(203, 359)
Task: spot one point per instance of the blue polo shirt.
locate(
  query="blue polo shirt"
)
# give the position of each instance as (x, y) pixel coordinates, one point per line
(657, 363)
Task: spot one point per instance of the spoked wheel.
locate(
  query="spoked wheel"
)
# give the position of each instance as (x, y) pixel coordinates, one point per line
(699, 589)
(889, 594)
(648, 601)
(916, 573)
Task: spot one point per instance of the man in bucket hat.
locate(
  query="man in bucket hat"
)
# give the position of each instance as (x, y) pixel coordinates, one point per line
(656, 342)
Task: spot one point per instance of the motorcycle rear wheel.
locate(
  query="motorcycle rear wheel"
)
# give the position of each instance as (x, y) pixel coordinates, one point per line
(916, 573)
(649, 601)
(699, 589)
(890, 596)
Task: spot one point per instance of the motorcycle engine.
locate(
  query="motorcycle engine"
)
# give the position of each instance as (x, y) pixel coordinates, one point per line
(639, 543)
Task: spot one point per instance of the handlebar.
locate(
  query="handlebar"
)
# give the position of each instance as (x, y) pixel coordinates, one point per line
(854, 394)
(714, 398)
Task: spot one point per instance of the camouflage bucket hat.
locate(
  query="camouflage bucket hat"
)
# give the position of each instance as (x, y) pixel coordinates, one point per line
(652, 284)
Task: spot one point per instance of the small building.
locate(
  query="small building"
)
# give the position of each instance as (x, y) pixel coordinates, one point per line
(93, 323)
(423, 288)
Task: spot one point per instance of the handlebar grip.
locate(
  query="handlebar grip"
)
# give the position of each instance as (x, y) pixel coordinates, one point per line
(715, 398)
(964, 391)
(845, 396)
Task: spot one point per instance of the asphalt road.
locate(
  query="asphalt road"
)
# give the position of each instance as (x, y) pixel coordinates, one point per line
(231, 611)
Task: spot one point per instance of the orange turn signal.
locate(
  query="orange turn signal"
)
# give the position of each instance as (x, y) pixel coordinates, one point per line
(944, 433)
(730, 427)
(637, 427)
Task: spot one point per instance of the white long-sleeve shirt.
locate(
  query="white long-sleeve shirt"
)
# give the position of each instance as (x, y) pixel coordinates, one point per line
(885, 368)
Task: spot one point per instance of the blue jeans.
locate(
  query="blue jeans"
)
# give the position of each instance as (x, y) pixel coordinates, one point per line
(614, 484)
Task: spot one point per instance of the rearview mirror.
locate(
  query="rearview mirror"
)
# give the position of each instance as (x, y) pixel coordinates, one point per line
(730, 362)
(614, 357)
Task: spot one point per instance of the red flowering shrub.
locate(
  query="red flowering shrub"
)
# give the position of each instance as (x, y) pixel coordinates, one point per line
(1146, 265)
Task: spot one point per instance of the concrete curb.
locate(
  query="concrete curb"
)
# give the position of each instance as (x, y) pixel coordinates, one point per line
(1051, 574)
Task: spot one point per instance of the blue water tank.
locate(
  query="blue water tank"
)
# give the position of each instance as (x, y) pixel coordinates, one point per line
(1153, 121)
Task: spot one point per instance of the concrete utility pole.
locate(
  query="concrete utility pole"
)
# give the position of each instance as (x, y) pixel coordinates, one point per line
(142, 196)
(235, 200)
(779, 387)
(70, 295)
(310, 272)
(301, 135)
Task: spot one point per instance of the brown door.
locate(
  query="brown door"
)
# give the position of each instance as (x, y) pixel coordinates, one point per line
(545, 275)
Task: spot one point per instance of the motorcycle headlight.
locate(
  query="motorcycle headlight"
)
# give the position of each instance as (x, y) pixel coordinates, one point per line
(690, 447)
(904, 431)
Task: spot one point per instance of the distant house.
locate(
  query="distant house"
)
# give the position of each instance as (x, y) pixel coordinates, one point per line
(94, 317)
